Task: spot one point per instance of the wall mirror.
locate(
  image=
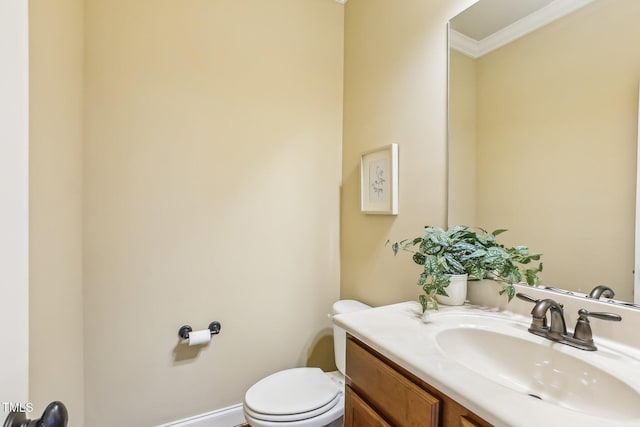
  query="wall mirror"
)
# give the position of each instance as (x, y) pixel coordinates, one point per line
(543, 133)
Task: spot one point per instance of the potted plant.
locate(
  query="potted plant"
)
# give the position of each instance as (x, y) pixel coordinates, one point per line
(462, 251)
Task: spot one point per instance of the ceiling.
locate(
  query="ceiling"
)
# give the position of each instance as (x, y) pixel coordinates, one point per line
(488, 16)
(489, 24)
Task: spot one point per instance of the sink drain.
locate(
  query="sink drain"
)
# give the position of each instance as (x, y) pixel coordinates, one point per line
(534, 395)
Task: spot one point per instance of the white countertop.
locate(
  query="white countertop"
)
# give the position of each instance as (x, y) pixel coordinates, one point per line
(401, 333)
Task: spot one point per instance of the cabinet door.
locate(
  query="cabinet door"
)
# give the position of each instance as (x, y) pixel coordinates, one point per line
(393, 395)
(358, 414)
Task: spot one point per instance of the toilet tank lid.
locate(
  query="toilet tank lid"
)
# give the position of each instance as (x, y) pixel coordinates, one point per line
(347, 306)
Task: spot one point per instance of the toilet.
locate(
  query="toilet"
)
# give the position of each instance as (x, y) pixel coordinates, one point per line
(303, 397)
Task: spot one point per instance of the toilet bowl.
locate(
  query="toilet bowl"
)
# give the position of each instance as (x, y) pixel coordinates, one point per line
(303, 397)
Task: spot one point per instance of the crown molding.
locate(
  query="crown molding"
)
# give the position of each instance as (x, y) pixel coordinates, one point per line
(463, 44)
(522, 27)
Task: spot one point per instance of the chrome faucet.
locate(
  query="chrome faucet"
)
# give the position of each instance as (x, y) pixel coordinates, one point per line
(601, 291)
(556, 330)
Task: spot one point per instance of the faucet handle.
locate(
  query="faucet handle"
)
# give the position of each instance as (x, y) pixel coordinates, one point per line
(583, 334)
(599, 315)
(527, 298)
(538, 326)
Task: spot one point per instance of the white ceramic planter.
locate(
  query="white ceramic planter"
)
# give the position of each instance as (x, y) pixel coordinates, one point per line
(487, 292)
(457, 291)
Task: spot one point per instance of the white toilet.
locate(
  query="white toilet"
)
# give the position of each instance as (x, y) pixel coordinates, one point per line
(303, 397)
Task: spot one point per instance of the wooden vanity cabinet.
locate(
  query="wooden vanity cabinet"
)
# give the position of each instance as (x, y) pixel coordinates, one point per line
(380, 393)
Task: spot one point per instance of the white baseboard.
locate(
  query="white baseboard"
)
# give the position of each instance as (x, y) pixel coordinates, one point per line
(225, 417)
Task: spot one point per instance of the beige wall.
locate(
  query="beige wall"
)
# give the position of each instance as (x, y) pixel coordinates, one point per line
(557, 119)
(395, 91)
(55, 221)
(212, 171)
(462, 137)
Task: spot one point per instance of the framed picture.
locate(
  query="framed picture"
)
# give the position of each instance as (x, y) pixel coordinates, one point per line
(379, 181)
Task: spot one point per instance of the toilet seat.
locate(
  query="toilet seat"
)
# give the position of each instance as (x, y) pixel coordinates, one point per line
(298, 416)
(331, 418)
(294, 395)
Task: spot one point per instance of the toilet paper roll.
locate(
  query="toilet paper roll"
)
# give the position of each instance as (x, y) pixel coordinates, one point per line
(199, 337)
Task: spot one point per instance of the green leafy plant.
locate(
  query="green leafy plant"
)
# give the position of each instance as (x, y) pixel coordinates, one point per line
(463, 250)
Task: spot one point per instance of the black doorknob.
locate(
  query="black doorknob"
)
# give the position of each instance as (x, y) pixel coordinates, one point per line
(54, 415)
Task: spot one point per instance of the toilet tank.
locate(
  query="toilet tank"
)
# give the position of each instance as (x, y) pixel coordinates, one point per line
(339, 334)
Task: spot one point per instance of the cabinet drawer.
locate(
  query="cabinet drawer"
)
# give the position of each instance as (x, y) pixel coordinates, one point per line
(358, 414)
(396, 398)
(466, 422)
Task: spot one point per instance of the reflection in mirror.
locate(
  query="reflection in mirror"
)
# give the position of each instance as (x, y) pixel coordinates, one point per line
(543, 135)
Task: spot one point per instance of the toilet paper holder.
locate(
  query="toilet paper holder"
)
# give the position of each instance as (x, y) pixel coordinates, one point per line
(214, 328)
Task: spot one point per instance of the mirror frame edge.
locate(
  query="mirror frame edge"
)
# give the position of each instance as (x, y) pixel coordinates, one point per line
(447, 223)
(636, 270)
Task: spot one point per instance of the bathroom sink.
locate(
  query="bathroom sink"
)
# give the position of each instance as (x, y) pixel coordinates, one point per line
(505, 353)
(487, 361)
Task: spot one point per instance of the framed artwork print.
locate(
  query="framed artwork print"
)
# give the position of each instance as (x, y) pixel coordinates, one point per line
(379, 181)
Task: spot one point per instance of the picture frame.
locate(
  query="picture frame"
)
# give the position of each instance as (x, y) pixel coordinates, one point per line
(379, 181)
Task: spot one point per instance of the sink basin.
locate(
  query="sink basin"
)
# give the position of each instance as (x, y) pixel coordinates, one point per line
(552, 372)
